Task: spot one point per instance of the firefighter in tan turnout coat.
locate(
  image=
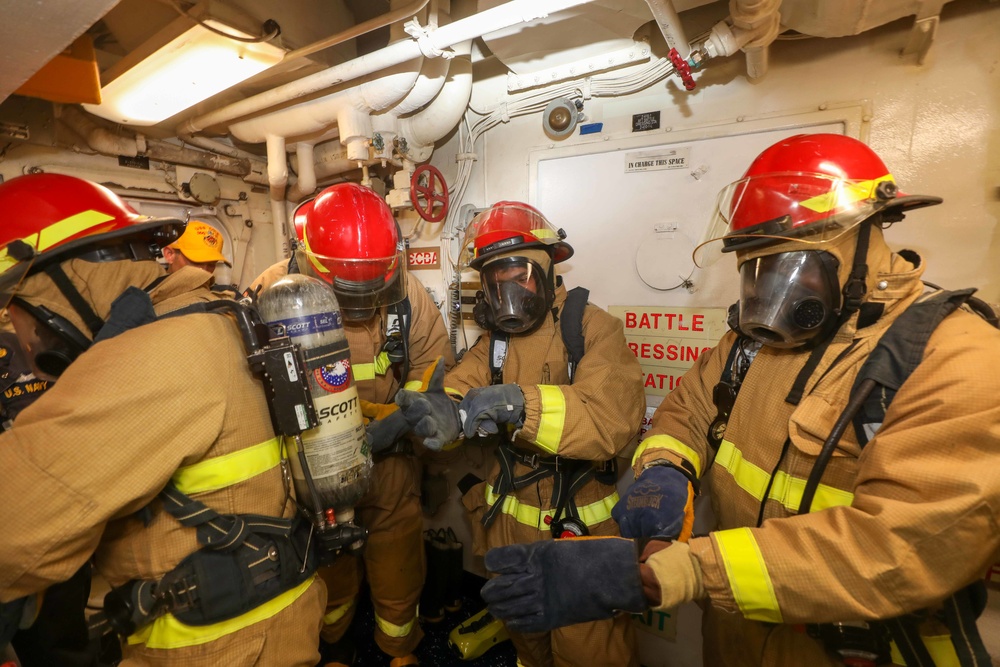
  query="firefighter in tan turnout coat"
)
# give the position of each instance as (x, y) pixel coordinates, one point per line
(904, 513)
(347, 237)
(566, 420)
(151, 402)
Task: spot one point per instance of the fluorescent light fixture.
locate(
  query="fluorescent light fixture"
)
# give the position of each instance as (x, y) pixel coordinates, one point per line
(188, 69)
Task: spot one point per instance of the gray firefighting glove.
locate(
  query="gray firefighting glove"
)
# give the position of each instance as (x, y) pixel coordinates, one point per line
(384, 425)
(431, 412)
(550, 584)
(485, 408)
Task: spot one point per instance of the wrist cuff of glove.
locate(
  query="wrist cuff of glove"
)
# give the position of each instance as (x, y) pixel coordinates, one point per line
(685, 468)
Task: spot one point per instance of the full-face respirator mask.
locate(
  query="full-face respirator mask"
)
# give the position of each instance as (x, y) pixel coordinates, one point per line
(789, 299)
(515, 296)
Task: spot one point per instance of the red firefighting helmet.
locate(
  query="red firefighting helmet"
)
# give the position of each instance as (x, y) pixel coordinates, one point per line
(508, 226)
(353, 243)
(811, 188)
(50, 218)
(299, 219)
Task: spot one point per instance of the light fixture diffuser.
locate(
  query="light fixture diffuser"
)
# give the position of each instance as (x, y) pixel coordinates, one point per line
(188, 69)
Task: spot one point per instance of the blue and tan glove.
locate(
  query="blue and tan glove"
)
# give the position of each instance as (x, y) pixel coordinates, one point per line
(660, 504)
(432, 414)
(545, 585)
(485, 408)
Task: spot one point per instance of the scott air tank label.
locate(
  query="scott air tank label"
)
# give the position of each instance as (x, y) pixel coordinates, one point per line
(305, 325)
(335, 450)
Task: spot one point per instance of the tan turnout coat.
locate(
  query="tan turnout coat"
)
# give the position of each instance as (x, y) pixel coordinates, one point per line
(894, 528)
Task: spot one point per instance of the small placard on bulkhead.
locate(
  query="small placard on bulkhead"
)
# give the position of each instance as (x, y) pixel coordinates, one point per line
(642, 122)
(661, 158)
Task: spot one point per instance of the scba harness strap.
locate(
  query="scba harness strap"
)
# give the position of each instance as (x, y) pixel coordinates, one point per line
(570, 474)
(244, 561)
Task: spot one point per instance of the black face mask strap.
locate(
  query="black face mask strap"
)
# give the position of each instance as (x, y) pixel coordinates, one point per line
(856, 288)
(76, 300)
(550, 281)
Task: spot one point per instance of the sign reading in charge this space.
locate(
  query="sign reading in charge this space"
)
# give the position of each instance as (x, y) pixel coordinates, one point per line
(423, 258)
(667, 341)
(664, 158)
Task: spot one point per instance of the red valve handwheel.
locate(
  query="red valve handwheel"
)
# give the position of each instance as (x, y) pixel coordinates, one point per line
(425, 197)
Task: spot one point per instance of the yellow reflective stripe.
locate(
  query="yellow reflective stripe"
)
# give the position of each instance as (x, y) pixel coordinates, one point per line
(748, 477)
(670, 444)
(382, 363)
(57, 233)
(844, 194)
(591, 514)
(543, 233)
(392, 629)
(552, 419)
(167, 632)
(748, 575)
(413, 385)
(312, 259)
(222, 471)
(940, 647)
(787, 490)
(333, 616)
(369, 371)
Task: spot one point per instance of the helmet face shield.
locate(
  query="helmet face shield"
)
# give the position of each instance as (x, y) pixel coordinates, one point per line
(515, 290)
(789, 299)
(508, 226)
(810, 208)
(362, 285)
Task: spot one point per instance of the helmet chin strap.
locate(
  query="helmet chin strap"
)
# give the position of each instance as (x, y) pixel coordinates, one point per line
(855, 288)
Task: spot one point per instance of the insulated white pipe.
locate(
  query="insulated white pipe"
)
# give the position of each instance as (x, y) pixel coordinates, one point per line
(423, 129)
(432, 76)
(670, 25)
(319, 114)
(331, 159)
(305, 185)
(277, 177)
(761, 18)
(431, 43)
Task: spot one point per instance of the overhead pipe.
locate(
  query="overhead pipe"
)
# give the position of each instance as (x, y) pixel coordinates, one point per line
(763, 20)
(423, 129)
(348, 108)
(670, 26)
(428, 42)
(305, 183)
(111, 143)
(216, 146)
(277, 175)
(420, 130)
(331, 159)
(752, 27)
